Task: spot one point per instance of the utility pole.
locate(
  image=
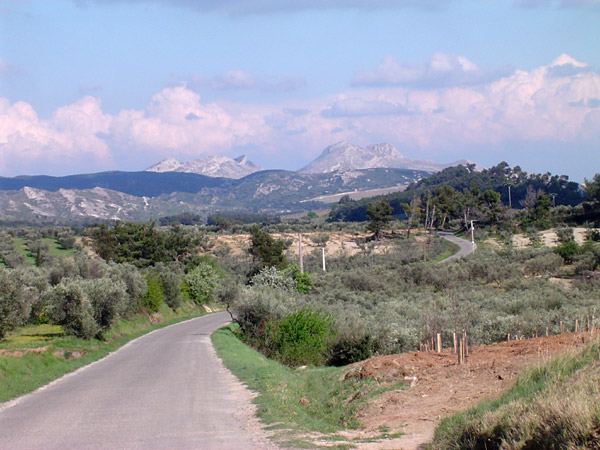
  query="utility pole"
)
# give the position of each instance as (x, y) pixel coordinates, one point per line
(323, 250)
(300, 252)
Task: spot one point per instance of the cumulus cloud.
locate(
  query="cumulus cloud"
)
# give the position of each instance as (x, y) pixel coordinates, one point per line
(438, 71)
(241, 80)
(177, 122)
(72, 135)
(359, 107)
(558, 103)
(550, 103)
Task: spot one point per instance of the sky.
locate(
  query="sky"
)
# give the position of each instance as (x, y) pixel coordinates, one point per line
(94, 85)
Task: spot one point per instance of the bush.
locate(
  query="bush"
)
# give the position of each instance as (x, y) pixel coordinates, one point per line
(567, 250)
(547, 263)
(301, 337)
(170, 277)
(109, 300)
(15, 301)
(69, 306)
(154, 294)
(135, 284)
(271, 277)
(353, 349)
(202, 282)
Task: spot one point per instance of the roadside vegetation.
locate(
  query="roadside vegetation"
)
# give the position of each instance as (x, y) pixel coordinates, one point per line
(61, 308)
(69, 296)
(303, 405)
(553, 405)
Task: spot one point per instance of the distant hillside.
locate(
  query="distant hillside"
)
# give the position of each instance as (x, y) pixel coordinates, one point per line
(462, 179)
(141, 184)
(149, 195)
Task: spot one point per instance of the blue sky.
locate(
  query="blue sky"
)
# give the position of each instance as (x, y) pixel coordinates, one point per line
(116, 84)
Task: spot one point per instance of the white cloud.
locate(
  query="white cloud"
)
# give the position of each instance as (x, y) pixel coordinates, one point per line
(438, 71)
(176, 122)
(70, 137)
(358, 107)
(551, 104)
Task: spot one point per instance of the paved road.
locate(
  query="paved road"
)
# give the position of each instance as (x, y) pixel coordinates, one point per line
(465, 246)
(164, 390)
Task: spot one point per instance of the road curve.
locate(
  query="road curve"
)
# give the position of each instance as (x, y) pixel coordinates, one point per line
(165, 390)
(466, 247)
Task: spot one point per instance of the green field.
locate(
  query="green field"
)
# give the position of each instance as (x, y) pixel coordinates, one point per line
(54, 249)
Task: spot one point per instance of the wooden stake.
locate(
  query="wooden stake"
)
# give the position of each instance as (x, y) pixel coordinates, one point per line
(439, 343)
(508, 337)
(576, 325)
(455, 343)
(547, 332)
(562, 327)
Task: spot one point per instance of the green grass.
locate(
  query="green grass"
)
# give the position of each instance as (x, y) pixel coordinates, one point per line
(22, 374)
(551, 405)
(453, 248)
(296, 402)
(21, 247)
(55, 249)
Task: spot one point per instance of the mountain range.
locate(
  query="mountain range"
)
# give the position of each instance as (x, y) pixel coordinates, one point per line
(208, 184)
(212, 166)
(341, 156)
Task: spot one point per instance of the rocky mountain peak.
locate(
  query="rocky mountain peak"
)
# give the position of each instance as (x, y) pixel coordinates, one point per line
(343, 156)
(212, 166)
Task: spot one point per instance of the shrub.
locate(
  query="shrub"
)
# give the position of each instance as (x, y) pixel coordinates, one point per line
(154, 294)
(69, 306)
(302, 281)
(202, 282)
(170, 277)
(567, 250)
(15, 301)
(353, 349)
(109, 300)
(135, 284)
(301, 337)
(271, 277)
(547, 263)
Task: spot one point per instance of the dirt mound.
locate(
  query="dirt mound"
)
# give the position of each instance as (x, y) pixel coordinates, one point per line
(440, 386)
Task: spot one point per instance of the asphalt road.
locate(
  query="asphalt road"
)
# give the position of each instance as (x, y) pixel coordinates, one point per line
(465, 246)
(165, 390)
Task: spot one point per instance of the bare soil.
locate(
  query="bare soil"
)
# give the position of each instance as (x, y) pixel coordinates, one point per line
(439, 386)
(339, 244)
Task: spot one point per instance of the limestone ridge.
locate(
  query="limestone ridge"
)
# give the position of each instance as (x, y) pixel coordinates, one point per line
(212, 166)
(344, 157)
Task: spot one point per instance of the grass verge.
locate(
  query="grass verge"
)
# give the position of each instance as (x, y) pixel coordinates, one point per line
(315, 401)
(452, 248)
(33, 356)
(553, 405)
